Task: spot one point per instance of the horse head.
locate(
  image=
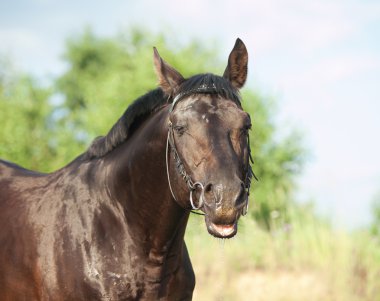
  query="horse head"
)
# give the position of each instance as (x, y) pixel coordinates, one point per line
(208, 152)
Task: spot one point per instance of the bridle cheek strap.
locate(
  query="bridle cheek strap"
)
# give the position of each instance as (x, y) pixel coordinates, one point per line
(189, 182)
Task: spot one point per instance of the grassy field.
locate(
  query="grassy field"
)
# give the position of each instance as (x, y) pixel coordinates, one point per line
(305, 260)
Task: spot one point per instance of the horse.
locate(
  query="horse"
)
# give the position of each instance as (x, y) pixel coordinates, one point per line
(110, 225)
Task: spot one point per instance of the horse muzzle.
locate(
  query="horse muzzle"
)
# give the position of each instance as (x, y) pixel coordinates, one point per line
(223, 206)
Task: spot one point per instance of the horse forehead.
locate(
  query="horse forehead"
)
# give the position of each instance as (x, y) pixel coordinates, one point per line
(207, 105)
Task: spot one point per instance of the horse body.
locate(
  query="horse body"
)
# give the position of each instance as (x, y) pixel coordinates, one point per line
(79, 240)
(110, 225)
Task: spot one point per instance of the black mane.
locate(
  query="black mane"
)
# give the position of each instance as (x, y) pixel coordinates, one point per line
(137, 111)
(143, 107)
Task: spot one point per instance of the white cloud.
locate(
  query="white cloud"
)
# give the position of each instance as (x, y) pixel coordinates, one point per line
(15, 39)
(31, 51)
(330, 70)
(301, 25)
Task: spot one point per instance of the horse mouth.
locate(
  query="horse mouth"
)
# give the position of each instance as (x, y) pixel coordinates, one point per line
(222, 230)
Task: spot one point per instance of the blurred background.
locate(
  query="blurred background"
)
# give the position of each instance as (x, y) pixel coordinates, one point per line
(69, 69)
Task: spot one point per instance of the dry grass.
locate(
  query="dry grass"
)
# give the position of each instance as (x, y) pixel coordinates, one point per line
(308, 261)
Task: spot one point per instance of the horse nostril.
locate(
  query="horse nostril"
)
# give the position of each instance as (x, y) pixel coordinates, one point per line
(210, 197)
(208, 187)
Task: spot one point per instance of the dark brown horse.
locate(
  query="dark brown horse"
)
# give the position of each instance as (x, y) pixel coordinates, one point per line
(110, 225)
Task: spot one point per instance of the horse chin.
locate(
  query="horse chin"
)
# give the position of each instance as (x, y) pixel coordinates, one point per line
(220, 229)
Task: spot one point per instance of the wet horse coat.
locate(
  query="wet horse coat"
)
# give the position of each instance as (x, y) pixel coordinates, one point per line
(107, 226)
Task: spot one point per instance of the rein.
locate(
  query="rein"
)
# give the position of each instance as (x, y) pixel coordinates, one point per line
(192, 186)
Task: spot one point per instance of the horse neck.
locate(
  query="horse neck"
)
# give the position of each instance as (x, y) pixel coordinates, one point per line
(139, 183)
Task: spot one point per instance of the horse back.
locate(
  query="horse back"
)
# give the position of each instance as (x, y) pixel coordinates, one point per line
(15, 183)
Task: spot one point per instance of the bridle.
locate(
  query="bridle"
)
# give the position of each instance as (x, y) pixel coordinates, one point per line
(182, 171)
(190, 183)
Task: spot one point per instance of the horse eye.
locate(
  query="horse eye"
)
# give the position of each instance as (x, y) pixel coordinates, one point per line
(246, 129)
(180, 129)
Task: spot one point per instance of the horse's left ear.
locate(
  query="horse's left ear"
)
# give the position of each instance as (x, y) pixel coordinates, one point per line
(169, 78)
(237, 68)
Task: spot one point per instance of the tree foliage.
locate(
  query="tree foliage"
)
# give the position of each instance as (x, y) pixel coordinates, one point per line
(45, 130)
(375, 224)
(25, 120)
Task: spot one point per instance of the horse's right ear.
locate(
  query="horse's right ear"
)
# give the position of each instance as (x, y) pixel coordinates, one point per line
(169, 78)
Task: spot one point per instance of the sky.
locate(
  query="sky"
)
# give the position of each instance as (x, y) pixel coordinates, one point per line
(320, 60)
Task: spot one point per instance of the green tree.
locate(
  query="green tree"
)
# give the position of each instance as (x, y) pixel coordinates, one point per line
(25, 126)
(104, 76)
